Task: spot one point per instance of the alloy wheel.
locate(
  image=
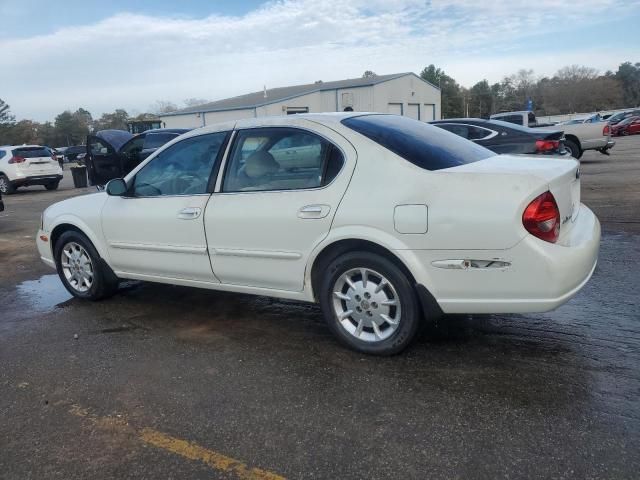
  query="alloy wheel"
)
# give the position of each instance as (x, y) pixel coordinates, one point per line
(77, 266)
(366, 305)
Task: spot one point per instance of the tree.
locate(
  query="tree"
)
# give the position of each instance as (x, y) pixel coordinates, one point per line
(5, 113)
(73, 128)
(452, 97)
(369, 74)
(163, 106)
(112, 121)
(480, 100)
(628, 75)
(194, 102)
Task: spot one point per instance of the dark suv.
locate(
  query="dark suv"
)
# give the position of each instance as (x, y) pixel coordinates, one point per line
(114, 153)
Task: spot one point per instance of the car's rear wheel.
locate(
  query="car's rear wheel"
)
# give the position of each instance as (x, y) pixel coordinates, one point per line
(52, 186)
(82, 271)
(369, 303)
(6, 187)
(573, 148)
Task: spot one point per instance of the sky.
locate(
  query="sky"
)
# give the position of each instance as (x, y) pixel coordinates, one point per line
(102, 55)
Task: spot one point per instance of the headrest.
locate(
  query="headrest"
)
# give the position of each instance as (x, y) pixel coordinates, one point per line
(260, 164)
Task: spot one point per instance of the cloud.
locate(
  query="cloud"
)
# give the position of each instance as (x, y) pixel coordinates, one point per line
(130, 60)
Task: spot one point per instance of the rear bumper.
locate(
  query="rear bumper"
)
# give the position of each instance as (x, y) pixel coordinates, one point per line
(37, 180)
(539, 276)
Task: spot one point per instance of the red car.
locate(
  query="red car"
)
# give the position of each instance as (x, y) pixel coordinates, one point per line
(628, 126)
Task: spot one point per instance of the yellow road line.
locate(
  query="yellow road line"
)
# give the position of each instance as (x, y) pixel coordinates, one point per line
(184, 448)
(213, 459)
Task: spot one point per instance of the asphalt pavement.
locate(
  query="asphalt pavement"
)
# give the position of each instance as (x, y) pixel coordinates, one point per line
(172, 382)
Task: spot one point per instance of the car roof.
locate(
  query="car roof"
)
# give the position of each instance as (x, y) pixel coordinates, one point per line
(167, 130)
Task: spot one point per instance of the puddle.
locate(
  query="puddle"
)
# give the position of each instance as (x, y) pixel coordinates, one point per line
(43, 294)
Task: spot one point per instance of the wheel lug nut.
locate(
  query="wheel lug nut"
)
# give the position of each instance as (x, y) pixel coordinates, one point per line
(367, 295)
(369, 313)
(374, 304)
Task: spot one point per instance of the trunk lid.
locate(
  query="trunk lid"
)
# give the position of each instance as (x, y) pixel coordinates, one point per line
(37, 161)
(561, 176)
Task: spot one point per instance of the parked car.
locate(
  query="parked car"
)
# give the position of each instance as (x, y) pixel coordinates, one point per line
(578, 137)
(71, 153)
(385, 221)
(620, 116)
(25, 165)
(114, 153)
(589, 119)
(503, 137)
(628, 126)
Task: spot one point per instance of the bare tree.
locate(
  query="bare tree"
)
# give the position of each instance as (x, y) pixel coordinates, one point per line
(194, 102)
(163, 106)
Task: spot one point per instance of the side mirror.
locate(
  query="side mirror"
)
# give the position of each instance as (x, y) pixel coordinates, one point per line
(116, 187)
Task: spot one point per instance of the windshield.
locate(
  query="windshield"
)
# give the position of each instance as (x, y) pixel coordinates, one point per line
(155, 140)
(422, 144)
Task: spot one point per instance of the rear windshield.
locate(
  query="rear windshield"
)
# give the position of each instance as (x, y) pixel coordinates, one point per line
(423, 145)
(155, 140)
(32, 152)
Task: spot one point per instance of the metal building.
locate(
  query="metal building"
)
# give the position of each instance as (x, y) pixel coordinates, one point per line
(401, 93)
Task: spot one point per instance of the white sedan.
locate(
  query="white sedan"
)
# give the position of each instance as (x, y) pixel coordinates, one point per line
(385, 221)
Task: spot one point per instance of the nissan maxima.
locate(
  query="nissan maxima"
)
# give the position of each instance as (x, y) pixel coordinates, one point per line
(385, 221)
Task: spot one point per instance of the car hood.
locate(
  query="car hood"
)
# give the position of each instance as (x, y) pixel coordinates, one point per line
(115, 138)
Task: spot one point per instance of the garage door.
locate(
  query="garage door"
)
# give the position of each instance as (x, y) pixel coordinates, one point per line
(429, 112)
(395, 108)
(413, 111)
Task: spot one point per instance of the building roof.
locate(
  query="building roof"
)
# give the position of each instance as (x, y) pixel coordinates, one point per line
(274, 95)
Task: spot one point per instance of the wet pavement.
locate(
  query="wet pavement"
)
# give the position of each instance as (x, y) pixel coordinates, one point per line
(172, 382)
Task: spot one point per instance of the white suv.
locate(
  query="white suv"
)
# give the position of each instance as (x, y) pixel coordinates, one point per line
(24, 165)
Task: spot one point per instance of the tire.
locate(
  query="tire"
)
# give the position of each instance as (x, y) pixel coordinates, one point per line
(52, 186)
(573, 148)
(356, 330)
(6, 187)
(103, 283)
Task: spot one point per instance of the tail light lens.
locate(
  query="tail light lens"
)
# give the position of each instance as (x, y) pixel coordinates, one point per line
(606, 130)
(541, 218)
(17, 159)
(547, 145)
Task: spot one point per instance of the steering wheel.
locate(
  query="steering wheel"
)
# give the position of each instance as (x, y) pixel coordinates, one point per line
(148, 185)
(181, 183)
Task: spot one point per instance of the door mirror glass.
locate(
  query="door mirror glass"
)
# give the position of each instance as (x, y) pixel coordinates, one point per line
(116, 187)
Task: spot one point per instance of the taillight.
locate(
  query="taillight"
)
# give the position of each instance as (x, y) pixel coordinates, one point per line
(606, 130)
(547, 145)
(16, 159)
(541, 218)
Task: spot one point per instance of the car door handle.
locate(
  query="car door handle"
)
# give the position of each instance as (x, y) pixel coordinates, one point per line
(314, 211)
(189, 213)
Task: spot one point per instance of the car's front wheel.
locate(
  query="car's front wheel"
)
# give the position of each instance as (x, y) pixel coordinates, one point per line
(369, 303)
(81, 269)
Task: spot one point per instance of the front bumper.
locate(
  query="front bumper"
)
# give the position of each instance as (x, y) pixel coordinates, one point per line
(539, 276)
(44, 248)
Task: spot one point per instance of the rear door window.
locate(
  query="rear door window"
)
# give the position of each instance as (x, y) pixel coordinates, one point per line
(422, 144)
(280, 158)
